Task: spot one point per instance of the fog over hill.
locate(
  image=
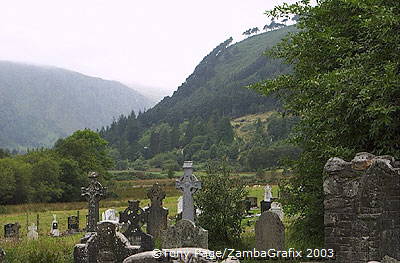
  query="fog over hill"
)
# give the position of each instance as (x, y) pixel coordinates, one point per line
(39, 104)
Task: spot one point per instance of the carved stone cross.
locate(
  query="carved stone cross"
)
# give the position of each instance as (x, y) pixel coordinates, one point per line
(93, 193)
(188, 184)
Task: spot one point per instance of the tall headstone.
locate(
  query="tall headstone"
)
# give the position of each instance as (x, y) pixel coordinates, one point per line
(188, 184)
(184, 234)
(32, 232)
(135, 217)
(93, 193)
(11, 230)
(270, 232)
(105, 245)
(156, 213)
(54, 227)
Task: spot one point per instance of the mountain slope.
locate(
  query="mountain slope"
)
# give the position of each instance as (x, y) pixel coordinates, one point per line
(216, 85)
(40, 104)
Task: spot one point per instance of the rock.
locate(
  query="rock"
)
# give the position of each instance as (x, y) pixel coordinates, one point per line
(270, 232)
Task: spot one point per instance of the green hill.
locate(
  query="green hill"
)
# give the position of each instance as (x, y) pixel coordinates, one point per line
(195, 122)
(40, 104)
(216, 85)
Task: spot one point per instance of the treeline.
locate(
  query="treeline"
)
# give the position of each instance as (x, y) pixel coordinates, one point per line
(53, 175)
(201, 140)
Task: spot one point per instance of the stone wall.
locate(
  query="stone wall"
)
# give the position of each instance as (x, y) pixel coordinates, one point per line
(362, 208)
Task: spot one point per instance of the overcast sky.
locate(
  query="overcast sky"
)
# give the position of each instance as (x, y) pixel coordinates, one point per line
(154, 43)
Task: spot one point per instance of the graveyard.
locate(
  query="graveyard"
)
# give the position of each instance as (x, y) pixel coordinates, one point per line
(141, 132)
(51, 234)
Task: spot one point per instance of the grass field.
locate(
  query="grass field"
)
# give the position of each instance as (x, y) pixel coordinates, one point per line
(59, 250)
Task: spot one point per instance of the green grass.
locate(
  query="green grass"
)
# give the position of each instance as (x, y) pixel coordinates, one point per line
(60, 249)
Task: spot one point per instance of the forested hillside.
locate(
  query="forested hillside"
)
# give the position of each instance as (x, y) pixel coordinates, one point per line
(195, 122)
(38, 104)
(216, 85)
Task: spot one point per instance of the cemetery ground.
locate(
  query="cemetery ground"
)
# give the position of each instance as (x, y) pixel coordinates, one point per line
(59, 249)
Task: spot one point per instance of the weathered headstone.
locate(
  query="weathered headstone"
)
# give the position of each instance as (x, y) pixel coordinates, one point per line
(11, 230)
(2, 255)
(184, 234)
(188, 184)
(73, 224)
(135, 217)
(32, 232)
(156, 213)
(252, 200)
(54, 227)
(110, 215)
(270, 232)
(104, 245)
(277, 209)
(362, 208)
(93, 193)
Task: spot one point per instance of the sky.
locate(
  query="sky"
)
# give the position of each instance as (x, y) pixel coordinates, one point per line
(151, 43)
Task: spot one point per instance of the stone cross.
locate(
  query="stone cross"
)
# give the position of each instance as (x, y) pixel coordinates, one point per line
(188, 184)
(157, 215)
(267, 193)
(135, 217)
(93, 193)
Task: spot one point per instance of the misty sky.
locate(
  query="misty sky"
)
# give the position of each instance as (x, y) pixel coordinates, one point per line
(154, 43)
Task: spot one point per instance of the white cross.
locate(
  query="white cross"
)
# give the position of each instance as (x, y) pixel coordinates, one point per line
(188, 184)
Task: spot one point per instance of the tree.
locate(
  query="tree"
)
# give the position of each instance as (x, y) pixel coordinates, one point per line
(87, 149)
(345, 91)
(218, 200)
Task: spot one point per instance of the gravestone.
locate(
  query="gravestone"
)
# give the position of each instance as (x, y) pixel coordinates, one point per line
(104, 245)
(245, 206)
(73, 224)
(135, 217)
(54, 227)
(32, 232)
(362, 208)
(157, 215)
(93, 193)
(270, 232)
(188, 184)
(2, 255)
(184, 234)
(268, 193)
(110, 215)
(11, 230)
(265, 206)
(277, 209)
(252, 200)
